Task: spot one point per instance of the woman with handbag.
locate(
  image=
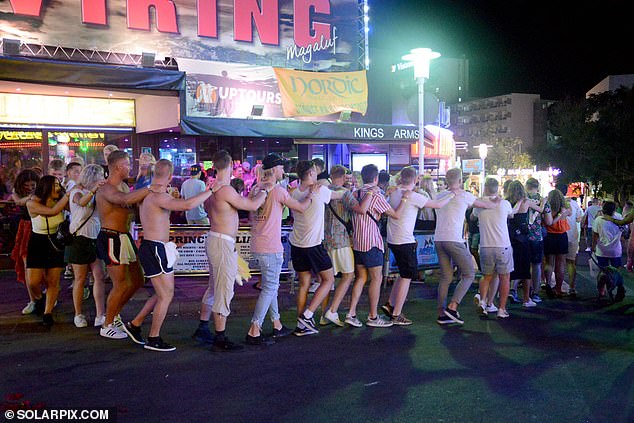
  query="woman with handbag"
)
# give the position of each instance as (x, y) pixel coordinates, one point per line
(45, 258)
(82, 252)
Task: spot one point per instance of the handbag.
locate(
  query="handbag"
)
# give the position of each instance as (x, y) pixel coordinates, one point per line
(63, 236)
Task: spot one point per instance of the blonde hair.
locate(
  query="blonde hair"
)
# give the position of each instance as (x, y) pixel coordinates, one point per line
(90, 175)
(163, 168)
(453, 176)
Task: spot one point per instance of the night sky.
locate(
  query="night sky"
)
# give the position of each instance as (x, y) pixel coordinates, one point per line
(555, 48)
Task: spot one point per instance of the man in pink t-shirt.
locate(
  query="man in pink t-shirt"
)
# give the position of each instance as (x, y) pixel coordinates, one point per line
(267, 249)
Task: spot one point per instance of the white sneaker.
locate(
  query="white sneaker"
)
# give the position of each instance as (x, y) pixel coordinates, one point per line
(353, 321)
(323, 321)
(112, 332)
(100, 320)
(529, 303)
(476, 300)
(80, 321)
(492, 308)
(29, 308)
(502, 314)
(333, 317)
(117, 322)
(482, 309)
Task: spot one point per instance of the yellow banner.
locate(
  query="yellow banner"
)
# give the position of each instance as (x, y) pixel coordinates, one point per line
(322, 93)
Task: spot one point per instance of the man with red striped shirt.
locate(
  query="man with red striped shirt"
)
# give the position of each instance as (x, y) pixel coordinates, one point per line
(367, 244)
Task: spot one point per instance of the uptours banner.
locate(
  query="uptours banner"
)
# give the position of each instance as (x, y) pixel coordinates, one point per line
(322, 93)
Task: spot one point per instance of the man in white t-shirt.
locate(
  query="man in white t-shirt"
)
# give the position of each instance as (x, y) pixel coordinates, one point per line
(591, 214)
(307, 251)
(190, 188)
(606, 240)
(401, 241)
(573, 243)
(496, 253)
(451, 246)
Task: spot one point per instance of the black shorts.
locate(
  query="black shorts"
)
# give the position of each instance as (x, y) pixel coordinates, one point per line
(372, 258)
(40, 253)
(406, 260)
(536, 251)
(153, 258)
(109, 246)
(312, 258)
(82, 250)
(556, 244)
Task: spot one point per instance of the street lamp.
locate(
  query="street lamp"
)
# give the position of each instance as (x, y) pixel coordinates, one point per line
(484, 150)
(420, 58)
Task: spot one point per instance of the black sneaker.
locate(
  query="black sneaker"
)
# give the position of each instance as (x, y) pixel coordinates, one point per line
(134, 332)
(258, 340)
(308, 323)
(203, 335)
(454, 315)
(620, 294)
(281, 333)
(40, 305)
(222, 344)
(303, 331)
(387, 309)
(444, 320)
(157, 344)
(47, 320)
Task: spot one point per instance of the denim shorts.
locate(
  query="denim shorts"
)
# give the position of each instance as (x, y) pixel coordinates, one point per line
(372, 258)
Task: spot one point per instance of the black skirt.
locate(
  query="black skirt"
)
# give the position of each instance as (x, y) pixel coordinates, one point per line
(556, 244)
(521, 258)
(40, 253)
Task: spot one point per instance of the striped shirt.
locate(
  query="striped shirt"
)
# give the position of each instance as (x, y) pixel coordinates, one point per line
(366, 233)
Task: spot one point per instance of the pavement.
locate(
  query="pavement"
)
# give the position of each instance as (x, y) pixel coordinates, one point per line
(568, 360)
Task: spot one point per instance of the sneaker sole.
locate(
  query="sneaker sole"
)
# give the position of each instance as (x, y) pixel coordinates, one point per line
(354, 324)
(380, 325)
(304, 333)
(453, 318)
(402, 324)
(148, 347)
(106, 335)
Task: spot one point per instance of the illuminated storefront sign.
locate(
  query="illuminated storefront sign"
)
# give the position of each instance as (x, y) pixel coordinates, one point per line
(264, 31)
(59, 110)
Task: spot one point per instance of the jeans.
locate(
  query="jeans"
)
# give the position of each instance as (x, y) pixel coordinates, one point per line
(271, 267)
(458, 253)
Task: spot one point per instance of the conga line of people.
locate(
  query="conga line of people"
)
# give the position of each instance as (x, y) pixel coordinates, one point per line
(336, 232)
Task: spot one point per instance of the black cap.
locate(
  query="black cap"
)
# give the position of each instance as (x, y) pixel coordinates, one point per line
(271, 161)
(195, 169)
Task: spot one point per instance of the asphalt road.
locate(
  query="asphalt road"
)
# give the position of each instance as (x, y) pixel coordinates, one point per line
(568, 360)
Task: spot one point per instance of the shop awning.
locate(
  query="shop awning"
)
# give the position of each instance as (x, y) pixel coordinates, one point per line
(90, 75)
(302, 131)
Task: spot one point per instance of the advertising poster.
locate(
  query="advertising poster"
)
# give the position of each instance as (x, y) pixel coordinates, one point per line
(425, 252)
(314, 35)
(191, 240)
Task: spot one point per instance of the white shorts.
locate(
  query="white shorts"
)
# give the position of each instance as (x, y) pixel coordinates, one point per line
(342, 260)
(223, 261)
(496, 260)
(573, 249)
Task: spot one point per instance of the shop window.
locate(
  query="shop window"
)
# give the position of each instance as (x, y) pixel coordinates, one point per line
(18, 150)
(181, 151)
(88, 146)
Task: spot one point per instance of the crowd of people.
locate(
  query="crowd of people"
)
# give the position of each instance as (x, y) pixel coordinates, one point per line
(341, 228)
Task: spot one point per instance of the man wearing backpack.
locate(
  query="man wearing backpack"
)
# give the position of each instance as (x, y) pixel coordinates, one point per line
(338, 228)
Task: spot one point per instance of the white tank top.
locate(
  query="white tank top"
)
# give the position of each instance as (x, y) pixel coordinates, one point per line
(39, 223)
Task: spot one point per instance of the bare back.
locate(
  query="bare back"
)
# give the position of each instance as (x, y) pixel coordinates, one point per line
(113, 216)
(222, 215)
(154, 218)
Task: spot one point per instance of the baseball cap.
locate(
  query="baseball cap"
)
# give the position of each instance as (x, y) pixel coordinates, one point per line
(195, 169)
(271, 161)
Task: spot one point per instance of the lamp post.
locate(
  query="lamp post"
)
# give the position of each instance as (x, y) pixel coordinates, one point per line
(484, 150)
(420, 58)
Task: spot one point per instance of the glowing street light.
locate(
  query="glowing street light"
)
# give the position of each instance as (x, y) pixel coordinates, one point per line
(483, 149)
(420, 58)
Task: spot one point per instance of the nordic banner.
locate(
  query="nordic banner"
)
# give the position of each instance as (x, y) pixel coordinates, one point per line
(322, 93)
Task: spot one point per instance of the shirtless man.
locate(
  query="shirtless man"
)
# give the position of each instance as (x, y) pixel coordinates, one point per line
(114, 243)
(157, 255)
(222, 208)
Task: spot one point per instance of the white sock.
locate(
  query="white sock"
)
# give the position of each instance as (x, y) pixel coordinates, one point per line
(308, 314)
